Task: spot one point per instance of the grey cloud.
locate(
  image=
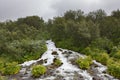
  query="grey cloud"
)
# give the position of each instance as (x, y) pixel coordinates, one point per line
(12, 9)
(87, 5)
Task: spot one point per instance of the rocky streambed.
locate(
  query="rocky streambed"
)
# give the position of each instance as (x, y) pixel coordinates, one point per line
(67, 71)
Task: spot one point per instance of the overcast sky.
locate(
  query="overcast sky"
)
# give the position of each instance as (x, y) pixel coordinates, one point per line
(13, 9)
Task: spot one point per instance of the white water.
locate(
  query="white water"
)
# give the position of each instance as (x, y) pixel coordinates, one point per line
(67, 70)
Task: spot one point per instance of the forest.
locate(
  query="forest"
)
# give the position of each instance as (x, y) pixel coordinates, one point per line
(95, 34)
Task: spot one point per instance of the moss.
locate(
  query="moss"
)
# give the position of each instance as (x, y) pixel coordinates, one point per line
(10, 68)
(38, 70)
(114, 69)
(84, 63)
(3, 78)
(101, 57)
(57, 62)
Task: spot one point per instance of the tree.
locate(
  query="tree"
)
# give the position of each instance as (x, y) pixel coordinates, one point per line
(96, 16)
(116, 14)
(74, 15)
(34, 21)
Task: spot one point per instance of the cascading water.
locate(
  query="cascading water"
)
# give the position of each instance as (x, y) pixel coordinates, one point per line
(67, 71)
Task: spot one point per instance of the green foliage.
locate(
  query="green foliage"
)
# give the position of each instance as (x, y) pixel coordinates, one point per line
(38, 70)
(25, 50)
(10, 68)
(1, 67)
(74, 15)
(114, 69)
(101, 57)
(94, 34)
(87, 51)
(116, 55)
(3, 78)
(116, 14)
(84, 63)
(57, 62)
(96, 54)
(34, 21)
(102, 44)
(96, 16)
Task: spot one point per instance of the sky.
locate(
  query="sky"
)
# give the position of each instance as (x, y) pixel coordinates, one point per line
(13, 9)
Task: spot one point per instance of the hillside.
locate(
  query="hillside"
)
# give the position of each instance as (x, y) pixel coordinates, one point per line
(66, 71)
(86, 46)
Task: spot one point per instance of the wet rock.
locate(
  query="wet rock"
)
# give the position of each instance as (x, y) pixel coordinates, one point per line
(54, 53)
(57, 71)
(70, 52)
(65, 52)
(78, 76)
(60, 49)
(59, 77)
(45, 61)
(40, 61)
(97, 78)
(22, 71)
(95, 65)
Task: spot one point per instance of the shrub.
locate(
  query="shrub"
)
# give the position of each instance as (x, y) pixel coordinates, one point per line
(98, 55)
(84, 63)
(114, 69)
(102, 44)
(25, 50)
(101, 57)
(38, 70)
(87, 51)
(1, 66)
(3, 78)
(116, 55)
(57, 62)
(11, 68)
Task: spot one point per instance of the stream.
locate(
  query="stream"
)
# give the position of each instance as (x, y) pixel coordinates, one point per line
(67, 71)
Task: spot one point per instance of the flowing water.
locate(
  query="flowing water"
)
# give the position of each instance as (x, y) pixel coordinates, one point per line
(67, 71)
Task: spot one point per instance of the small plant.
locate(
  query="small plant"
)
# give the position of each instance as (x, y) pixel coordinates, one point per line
(117, 55)
(3, 78)
(101, 57)
(1, 66)
(38, 70)
(84, 63)
(57, 62)
(87, 51)
(114, 69)
(11, 68)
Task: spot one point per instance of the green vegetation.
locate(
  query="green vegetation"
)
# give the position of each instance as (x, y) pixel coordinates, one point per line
(114, 69)
(9, 68)
(20, 41)
(96, 54)
(38, 70)
(84, 63)
(57, 62)
(3, 78)
(94, 34)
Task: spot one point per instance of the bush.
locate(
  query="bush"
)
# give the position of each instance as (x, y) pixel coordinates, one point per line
(96, 54)
(3, 78)
(114, 69)
(114, 50)
(102, 44)
(116, 55)
(101, 57)
(11, 68)
(87, 51)
(38, 70)
(26, 50)
(57, 62)
(84, 63)
(1, 66)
